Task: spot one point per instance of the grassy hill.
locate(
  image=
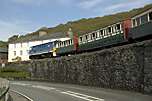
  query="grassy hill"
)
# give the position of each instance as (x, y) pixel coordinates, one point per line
(3, 44)
(84, 25)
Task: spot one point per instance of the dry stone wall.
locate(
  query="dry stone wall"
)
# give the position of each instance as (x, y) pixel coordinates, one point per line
(126, 67)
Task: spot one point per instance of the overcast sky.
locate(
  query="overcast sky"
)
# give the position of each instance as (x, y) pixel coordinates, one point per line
(25, 16)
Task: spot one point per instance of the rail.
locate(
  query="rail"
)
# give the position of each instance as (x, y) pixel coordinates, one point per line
(4, 87)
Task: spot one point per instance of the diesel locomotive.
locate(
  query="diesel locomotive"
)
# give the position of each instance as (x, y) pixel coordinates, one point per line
(135, 28)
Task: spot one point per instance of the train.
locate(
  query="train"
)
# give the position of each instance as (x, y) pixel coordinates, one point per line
(135, 28)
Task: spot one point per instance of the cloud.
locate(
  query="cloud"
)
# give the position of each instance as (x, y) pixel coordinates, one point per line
(9, 28)
(88, 4)
(127, 5)
(115, 7)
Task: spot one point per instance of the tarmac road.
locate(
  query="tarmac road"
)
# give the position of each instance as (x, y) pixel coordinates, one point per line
(46, 91)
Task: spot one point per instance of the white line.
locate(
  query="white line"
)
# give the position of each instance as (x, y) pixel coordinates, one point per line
(28, 98)
(43, 87)
(58, 90)
(82, 96)
(21, 84)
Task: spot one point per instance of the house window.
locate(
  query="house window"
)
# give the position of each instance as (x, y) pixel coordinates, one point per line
(14, 53)
(27, 51)
(27, 44)
(21, 44)
(21, 52)
(14, 45)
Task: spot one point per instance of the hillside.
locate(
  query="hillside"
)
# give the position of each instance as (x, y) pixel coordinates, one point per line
(84, 25)
(3, 44)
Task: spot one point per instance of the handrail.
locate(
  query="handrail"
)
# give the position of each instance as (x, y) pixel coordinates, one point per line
(4, 87)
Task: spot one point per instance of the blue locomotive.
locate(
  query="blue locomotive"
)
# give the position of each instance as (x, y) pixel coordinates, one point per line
(41, 51)
(138, 27)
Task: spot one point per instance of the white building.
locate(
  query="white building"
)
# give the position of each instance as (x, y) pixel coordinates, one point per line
(21, 50)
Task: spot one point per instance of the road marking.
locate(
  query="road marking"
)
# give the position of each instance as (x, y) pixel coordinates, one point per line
(28, 98)
(82, 96)
(58, 90)
(21, 84)
(43, 87)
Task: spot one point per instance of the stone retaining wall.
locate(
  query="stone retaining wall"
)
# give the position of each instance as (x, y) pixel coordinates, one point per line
(126, 67)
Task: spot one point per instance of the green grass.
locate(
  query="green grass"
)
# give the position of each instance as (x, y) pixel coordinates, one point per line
(13, 73)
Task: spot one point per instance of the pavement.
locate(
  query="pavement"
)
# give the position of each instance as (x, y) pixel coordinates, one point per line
(46, 91)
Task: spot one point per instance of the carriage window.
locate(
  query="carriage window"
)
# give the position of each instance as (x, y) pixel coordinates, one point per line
(138, 21)
(150, 16)
(96, 35)
(62, 44)
(109, 29)
(80, 39)
(86, 37)
(113, 28)
(134, 22)
(69, 42)
(101, 32)
(144, 19)
(93, 35)
(118, 27)
(104, 32)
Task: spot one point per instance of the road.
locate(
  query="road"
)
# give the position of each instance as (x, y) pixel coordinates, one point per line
(46, 91)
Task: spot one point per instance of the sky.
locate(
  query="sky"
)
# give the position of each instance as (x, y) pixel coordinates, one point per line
(19, 17)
